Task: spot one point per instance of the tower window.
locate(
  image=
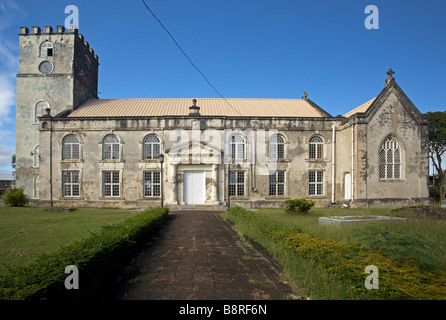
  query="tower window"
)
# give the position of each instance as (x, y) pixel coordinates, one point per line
(46, 49)
(39, 109)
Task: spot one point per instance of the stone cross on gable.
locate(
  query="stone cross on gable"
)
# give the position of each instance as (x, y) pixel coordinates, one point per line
(390, 73)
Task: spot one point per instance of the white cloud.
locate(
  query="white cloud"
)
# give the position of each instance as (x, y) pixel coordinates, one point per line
(9, 58)
(6, 152)
(7, 98)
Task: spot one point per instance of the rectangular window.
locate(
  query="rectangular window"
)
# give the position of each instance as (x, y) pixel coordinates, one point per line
(70, 151)
(111, 151)
(236, 183)
(277, 183)
(152, 184)
(70, 184)
(316, 183)
(111, 184)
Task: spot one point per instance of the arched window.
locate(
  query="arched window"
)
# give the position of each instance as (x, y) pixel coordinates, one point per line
(46, 49)
(40, 109)
(237, 145)
(277, 147)
(151, 147)
(316, 150)
(70, 148)
(36, 156)
(110, 148)
(390, 159)
(36, 187)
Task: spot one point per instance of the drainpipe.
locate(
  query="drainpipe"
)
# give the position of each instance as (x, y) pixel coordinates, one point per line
(353, 164)
(48, 111)
(333, 159)
(229, 187)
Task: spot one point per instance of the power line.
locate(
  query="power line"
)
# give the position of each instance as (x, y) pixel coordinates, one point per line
(187, 57)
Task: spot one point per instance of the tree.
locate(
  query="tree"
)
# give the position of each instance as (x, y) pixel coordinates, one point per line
(437, 145)
(13, 161)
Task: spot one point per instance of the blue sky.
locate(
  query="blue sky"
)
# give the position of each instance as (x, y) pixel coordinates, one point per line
(246, 48)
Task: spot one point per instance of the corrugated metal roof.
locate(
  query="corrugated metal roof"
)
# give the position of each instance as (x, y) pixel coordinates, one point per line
(208, 107)
(361, 108)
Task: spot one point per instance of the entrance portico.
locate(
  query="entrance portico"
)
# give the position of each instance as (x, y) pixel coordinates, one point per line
(195, 178)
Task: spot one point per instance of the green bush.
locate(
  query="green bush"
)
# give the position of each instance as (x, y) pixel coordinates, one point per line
(15, 197)
(101, 259)
(299, 205)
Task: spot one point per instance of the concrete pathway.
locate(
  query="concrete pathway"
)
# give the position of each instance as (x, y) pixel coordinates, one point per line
(198, 256)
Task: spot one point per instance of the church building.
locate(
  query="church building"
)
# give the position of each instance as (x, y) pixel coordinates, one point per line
(74, 149)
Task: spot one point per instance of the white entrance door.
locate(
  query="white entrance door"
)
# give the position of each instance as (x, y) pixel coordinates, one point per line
(194, 187)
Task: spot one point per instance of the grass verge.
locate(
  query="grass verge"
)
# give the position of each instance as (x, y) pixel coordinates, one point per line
(322, 266)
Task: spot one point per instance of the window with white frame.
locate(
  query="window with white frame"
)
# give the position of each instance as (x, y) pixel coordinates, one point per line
(152, 184)
(110, 148)
(151, 147)
(277, 147)
(277, 183)
(70, 148)
(71, 184)
(390, 159)
(316, 183)
(237, 147)
(236, 183)
(316, 147)
(46, 49)
(111, 184)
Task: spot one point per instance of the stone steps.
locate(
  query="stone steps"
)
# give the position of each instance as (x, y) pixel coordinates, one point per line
(196, 207)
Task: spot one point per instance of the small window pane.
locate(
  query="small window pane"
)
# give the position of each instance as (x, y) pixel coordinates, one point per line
(390, 159)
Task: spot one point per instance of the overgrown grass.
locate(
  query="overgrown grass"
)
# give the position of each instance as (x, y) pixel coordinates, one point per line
(328, 262)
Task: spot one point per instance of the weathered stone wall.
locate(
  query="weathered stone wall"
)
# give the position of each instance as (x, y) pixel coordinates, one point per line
(73, 80)
(131, 133)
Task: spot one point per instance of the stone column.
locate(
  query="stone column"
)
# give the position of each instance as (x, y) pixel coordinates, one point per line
(214, 196)
(173, 185)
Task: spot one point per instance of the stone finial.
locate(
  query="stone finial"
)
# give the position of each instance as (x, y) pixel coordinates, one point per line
(194, 110)
(60, 29)
(48, 29)
(24, 30)
(305, 95)
(36, 30)
(390, 74)
(73, 29)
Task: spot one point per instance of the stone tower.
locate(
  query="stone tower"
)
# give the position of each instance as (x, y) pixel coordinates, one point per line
(57, 70)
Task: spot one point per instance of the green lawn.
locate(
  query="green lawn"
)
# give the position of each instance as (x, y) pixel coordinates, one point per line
(27, 232)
